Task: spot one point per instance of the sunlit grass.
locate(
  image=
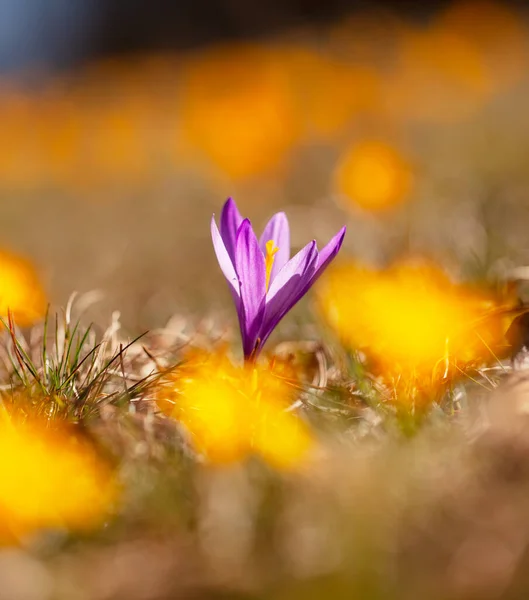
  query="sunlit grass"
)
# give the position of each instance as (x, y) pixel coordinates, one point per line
(65, 370)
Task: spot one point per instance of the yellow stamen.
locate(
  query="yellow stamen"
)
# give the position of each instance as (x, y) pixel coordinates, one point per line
(271, 249)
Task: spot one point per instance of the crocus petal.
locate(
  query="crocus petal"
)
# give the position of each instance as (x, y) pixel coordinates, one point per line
(326, 254)
(230, 221)
(288, 287)
(251, 271)
(224, 259)
(277, 229)
(295, 266)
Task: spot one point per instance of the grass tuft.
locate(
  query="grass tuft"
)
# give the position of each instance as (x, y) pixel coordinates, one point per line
(64, 369)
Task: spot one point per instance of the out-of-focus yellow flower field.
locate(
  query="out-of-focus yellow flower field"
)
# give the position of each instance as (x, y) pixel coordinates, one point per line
(411, 132)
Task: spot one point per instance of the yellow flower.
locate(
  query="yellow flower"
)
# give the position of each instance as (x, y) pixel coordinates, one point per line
(373, 175)
(17, 170)
(232, 412)
(329, 93)
(439, 76)
(49, 479)
(20, 290)
(238, 110)
(412, 320)
(115, 143)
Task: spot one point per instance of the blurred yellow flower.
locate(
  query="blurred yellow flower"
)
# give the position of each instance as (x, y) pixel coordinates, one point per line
(49, 478)
(411, 320)
(328, 92)
(115, 148)
(21, 291)
(102, 127)
(231, 412)
(237, 108)
(16, 118)
(439, 76)
(57, 135)
(373, 175)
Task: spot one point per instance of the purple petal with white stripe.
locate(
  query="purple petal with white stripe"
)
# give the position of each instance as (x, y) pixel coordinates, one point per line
(251, 271)
(230, 221)
(225, 261)
(327, 254)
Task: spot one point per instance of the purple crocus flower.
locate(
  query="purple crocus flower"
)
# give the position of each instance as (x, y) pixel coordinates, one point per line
(265, 282)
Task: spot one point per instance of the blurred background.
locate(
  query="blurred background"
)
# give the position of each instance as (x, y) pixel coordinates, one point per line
(125, 125)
